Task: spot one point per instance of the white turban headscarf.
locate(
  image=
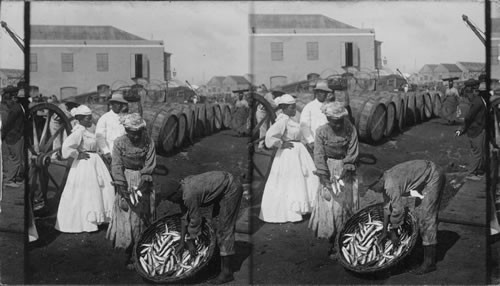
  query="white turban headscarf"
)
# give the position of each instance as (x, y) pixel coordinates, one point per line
(133, 121)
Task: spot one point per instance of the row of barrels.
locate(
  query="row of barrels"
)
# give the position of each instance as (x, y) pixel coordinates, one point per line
(174, 125)
(377, 115)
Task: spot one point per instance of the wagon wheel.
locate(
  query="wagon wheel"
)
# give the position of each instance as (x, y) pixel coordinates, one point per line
(40, 147)
(270, 118)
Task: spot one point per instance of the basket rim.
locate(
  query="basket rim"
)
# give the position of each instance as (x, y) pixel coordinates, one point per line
(169, 279)
(371, 269)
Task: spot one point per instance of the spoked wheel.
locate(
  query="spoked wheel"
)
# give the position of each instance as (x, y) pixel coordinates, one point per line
(43, 132)
(269, 118)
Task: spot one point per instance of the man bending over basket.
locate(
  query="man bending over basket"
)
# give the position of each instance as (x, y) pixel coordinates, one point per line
(221, 190)
(418, 178)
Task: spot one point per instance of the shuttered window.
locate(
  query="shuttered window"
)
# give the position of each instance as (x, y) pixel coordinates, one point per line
(67, 62)
(312, 51)
(139, 66)
(33, 62)
(102, 62)
(349, 53)
(277, 51)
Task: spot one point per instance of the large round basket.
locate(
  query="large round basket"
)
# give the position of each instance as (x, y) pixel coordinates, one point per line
(377, 213)
(174, 224)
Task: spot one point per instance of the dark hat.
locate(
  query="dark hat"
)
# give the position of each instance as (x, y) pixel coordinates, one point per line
(12, 90)
(472, 82)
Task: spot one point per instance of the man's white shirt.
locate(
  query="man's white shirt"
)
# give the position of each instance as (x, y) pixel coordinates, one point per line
(108, 128)
(310, 119)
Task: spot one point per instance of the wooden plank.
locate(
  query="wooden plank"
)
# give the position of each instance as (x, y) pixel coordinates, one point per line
(468, 206)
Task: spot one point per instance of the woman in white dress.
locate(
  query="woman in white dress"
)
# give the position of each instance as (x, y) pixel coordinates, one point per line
(291, 186)
(88, 196)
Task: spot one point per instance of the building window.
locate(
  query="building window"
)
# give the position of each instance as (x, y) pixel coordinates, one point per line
(349, 54)
(67, 62)
(33, 63)
(312, 51)
(139, 66)
(277, 51)
(102, 62)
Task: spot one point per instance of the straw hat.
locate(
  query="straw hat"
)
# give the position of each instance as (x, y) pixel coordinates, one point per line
(117, 96)
(322, 85)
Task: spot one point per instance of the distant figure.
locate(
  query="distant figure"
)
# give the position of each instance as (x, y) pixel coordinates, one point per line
(475, 128)
(240, 115)
(13, 138)
(450, 104)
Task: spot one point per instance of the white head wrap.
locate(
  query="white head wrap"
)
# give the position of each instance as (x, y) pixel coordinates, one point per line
(133, 121)
(334, 110)
(285, 99)
(81, 110)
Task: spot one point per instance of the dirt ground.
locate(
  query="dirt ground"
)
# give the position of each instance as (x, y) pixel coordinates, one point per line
(88, 258)
(288, 253)
(12, 236)
(277, 253)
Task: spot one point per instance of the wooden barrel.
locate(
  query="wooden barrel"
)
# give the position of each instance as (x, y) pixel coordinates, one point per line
(190, 112)
(419, 107)
(369, 117)
(201, 115)
(217, 117)
(400, 110)
(168, 132)
(226, 115)
(210, 119)
(386, 99)
(410, 108)
(428, 105)
(437, 103)
(154, 120)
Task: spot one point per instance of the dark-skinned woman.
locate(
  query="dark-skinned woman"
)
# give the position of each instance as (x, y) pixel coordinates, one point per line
(291, 186)
(133, 162)
(335, 153)
(88, 196)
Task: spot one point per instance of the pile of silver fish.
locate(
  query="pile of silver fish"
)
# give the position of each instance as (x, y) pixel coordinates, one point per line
(362, 248)
(158, 257)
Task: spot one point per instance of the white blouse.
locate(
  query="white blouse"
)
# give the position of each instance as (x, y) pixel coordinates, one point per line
(284, 129)
(81, 139)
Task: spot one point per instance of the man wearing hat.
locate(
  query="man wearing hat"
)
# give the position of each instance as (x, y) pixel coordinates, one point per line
(475, 128)
(311, 117)
(260, 114)
(221, 190)
(425, 181)
(108, 127)
(13, 137)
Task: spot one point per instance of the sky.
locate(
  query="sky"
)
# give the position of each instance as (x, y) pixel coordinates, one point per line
(211, 38)
(11, 55)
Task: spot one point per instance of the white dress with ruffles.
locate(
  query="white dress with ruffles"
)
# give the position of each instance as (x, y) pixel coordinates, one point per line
(291, 186)
(88, 196)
